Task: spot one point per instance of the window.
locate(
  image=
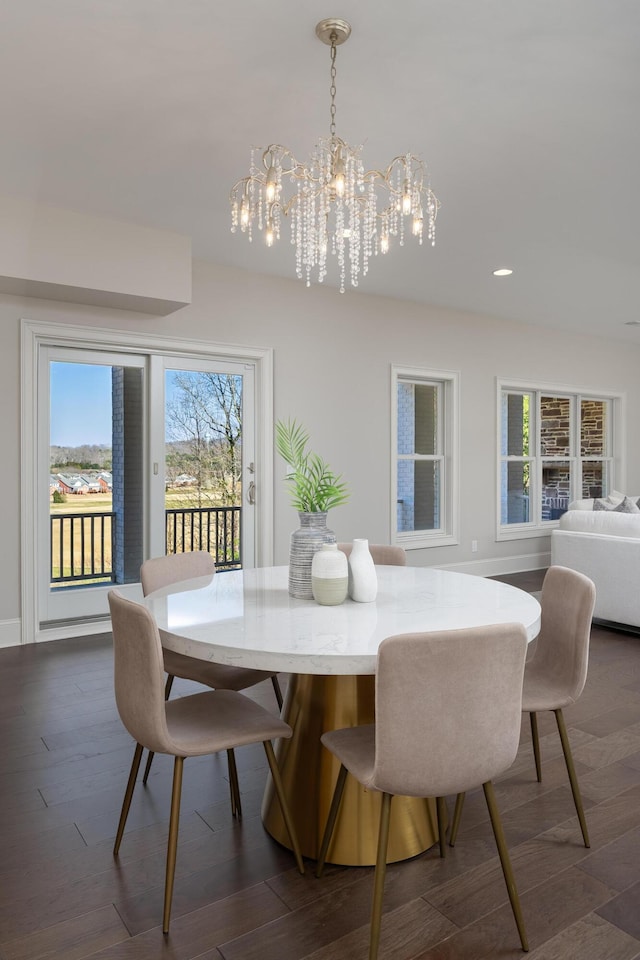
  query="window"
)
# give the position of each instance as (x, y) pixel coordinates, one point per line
(424, 455)
(555, 446)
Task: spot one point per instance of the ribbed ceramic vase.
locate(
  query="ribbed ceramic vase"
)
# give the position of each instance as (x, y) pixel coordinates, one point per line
(329, 575)
(310, 536)
(363, 579)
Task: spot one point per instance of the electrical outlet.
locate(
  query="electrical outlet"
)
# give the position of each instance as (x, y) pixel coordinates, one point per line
(474, 546)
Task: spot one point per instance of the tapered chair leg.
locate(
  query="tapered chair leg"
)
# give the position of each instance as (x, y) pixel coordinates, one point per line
(331, 819)
(441, 810)
(126, 803)
(573, 780)
(533, 717)
(147, 767)
(150, 756)
(284, 806)
(236, 807)
(457, 816)
(277, 691)
(172, 843)
(378, 880)
(505, 861)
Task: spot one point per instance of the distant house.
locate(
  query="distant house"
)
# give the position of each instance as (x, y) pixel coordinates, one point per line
(80, 484)
(91, 483)
(106, 482)
(72, 485)
(184, 480)
(65, 484)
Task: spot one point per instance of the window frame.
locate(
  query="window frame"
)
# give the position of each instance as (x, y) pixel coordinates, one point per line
(615, 460)
(447, 433)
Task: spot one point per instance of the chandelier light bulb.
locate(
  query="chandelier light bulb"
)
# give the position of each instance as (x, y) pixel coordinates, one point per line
(338, 174)
(270, 186)
(337, 207)
(269, 235)
(406, 200)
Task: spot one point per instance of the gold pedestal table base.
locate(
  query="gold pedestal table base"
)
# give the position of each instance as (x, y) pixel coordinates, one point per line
(313, 705)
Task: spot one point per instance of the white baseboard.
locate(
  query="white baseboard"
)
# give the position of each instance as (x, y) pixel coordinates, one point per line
(9, 633)
(74, 630)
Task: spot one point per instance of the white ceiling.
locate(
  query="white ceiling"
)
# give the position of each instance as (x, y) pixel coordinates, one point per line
(526, 112)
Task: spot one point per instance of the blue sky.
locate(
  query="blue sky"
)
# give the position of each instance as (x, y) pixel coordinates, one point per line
(80, 404)
(80, 397)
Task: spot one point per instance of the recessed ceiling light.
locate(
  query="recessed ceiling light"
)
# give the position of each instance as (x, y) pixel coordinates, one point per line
(503, 272)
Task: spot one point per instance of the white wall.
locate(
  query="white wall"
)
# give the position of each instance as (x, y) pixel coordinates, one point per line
(331, 371)
(65, 255)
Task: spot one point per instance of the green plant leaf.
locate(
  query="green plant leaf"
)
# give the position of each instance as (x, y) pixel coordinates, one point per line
(313, 486)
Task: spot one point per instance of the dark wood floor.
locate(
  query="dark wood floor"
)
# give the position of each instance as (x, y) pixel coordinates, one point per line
(238, 896)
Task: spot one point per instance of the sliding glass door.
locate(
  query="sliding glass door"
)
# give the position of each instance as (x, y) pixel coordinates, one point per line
(138, 455)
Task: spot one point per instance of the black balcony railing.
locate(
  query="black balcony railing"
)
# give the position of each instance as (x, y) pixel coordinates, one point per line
(214, 529)
(82, 544)
(82, 547)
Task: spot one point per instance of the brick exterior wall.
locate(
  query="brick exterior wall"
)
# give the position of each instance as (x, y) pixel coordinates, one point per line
(555, 412)
(418, 483)
(128, 472)
(406, 492)
(555, 415)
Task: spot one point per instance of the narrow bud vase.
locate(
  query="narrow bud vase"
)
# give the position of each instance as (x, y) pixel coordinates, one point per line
(363, 580)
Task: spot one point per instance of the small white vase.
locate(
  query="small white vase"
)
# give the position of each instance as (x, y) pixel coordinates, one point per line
(363, 580)
(329, 575)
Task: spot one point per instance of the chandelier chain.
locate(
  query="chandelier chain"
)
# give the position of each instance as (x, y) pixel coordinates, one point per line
(332, 88)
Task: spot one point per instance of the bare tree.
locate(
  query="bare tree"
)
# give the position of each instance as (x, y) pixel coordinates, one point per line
(204, 427)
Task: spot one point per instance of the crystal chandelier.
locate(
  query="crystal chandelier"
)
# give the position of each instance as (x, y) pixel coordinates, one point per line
(335, 206)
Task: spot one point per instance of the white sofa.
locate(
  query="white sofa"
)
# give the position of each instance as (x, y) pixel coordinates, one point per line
(605, 546)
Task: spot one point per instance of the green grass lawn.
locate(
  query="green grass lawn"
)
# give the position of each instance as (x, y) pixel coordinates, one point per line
(103, 502)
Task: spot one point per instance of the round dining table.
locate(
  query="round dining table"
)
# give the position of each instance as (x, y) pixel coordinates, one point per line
(246, 618)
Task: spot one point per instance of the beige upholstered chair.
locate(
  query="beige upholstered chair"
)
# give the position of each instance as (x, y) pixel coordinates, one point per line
(423, 744)
(555, 675)
(192, 726)
(162, 572)
(381, 553)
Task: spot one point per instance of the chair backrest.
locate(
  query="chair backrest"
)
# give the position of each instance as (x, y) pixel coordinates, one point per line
(163, 571)
(448, 708)
(381, 553)
(562, 646)
(138, 672)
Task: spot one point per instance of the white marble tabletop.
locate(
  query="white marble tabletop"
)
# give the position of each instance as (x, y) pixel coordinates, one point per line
(247, 618)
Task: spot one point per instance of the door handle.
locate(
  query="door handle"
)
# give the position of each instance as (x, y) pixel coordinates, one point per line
(251, 493)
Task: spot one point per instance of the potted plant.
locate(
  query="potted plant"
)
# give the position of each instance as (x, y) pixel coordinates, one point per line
(314, 489)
